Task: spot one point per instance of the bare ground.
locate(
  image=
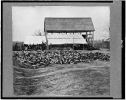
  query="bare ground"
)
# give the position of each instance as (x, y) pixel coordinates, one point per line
(80, 79)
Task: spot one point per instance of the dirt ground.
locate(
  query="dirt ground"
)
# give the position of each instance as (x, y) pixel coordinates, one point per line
(82, 79)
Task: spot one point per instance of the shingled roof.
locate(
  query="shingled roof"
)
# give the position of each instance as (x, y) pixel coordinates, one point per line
(68, 24)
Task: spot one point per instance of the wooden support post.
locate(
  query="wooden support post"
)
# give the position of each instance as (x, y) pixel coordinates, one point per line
(86, 37)
(93, 38)
(46, 41)
(90, 37)
(73, 41)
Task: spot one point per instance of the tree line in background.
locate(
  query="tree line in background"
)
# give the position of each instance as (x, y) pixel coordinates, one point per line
(102, 44)
(98, 44)
(18, 46)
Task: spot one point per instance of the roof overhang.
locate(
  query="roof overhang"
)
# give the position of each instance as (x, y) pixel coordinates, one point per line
(67, 41)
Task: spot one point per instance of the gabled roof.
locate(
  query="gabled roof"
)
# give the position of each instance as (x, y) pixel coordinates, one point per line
(68, 24)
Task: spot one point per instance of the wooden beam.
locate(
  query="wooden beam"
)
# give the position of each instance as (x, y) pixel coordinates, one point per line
(90, 37)
(46, 41)
(86, 37)
(83, 44)
(73, 42)
(93, 38)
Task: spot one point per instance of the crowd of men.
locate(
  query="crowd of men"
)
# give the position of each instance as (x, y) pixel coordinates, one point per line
(34, 60)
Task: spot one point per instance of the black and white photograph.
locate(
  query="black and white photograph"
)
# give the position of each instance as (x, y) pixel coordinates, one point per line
(61, 51)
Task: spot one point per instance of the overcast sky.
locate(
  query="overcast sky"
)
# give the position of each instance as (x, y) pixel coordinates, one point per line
(27, 20)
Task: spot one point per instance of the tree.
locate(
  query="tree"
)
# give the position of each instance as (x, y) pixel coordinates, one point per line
(106, 37)
(43, 46)
(38, 33)
(106, 28)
